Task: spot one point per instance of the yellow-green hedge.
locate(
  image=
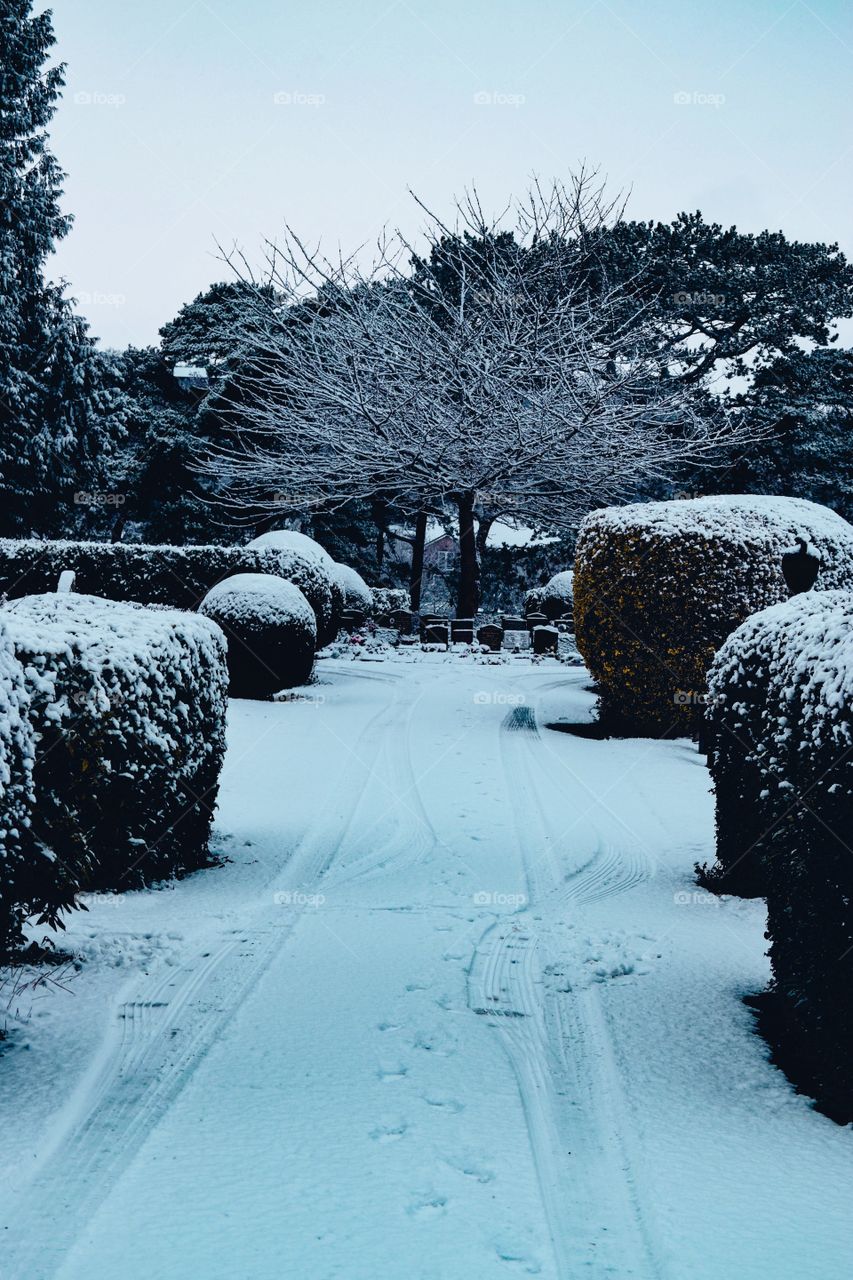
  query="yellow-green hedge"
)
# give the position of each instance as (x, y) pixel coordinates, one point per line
(660, 585)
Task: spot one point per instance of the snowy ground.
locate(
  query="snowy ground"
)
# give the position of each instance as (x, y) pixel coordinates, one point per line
(453, 1010)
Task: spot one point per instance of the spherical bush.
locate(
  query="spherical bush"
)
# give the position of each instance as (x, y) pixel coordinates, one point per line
(271, 632)
(291, 540)
(660, 585)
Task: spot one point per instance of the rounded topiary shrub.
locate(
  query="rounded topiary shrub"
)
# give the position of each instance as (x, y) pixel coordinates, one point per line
(128, 706)
(555, 599)
(356, 592)
(291, 540)
(782, 762)
(271, 631)
(659, 586)
(19, 855)
(179, 577)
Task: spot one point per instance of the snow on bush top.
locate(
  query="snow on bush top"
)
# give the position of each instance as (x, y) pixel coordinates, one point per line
(739, 518)
(797, 653)
(357, 594)
(559, 588)
(292, 540)
(252, 599)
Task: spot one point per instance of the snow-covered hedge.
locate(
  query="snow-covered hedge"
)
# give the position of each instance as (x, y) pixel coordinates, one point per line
(128, 707)
(292, 541)
(782, 760)
(357, 594)
(555, 599)
(17, 753)
(660, 585)
(176, 576)
(271, 630)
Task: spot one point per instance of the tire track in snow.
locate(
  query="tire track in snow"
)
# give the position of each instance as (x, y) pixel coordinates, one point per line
(577, 1114)
(164, 1025)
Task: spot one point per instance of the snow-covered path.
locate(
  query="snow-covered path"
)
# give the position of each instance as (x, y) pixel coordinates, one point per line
(453, 1010)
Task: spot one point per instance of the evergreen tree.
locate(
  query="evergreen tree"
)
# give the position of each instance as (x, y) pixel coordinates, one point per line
(56, 409)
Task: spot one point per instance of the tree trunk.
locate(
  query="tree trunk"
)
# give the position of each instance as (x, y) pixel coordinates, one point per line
(469, 569)
(417, 572)
(484, 525)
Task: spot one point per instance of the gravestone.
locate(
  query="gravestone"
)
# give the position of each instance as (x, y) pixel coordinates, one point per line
(462, 631)
(511, 623)
(401, 619)
(491, 636)
(545, 639)
(536, 620)
(435, 633)
(352, 619)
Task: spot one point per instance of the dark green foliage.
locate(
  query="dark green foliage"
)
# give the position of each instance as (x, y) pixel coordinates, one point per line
(128, 707)
(58, 412)
(175, 576)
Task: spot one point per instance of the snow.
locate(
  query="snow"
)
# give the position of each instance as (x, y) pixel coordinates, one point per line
(259, 598)
(752, 520)
(292, 540)
(453, 1009)
(357, 594)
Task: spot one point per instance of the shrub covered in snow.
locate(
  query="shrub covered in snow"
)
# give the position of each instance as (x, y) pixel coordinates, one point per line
(271, 630)
(357, 594)
(555, 599)
(660, 585)
(176, 576)
(388, 599)
(291, 540)
(128, 706)
(782, 761)
(18, 854)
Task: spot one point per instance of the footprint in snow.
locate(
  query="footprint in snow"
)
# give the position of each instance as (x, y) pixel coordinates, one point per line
(427, 1207)
(384, 1133)
(525, 1262)
(445, 1104)
(392, 1073)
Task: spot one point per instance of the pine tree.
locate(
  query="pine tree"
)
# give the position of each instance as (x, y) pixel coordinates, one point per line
(56, 409)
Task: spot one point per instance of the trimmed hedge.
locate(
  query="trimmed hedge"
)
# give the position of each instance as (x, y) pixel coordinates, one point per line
(17, 752)
(387, 600)
(660, 585)
(179, 577)
(782, 760)
(128, 707)
(271, 631)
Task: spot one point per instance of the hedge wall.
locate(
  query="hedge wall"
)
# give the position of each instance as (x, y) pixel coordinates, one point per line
(128, 707)
(659, 586)
(176, 576)
(783, 764)
(18, 851)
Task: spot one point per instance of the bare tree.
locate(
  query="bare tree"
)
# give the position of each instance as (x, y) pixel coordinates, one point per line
(481, 372)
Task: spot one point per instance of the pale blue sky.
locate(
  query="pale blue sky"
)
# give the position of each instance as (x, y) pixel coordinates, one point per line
(190, 120)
